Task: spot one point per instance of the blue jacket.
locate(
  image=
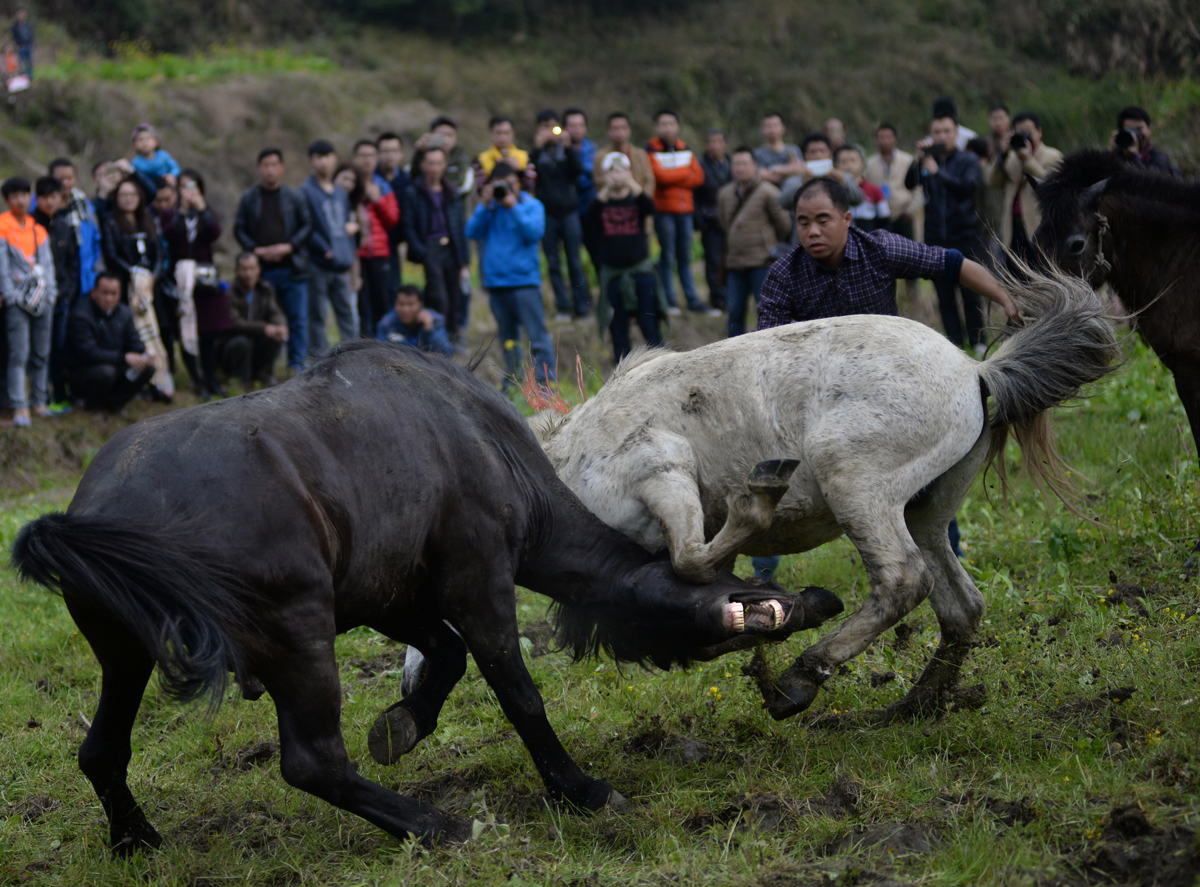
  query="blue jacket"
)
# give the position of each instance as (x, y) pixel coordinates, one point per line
(511, 238)
(585, 187)
(81, 213)
(390, 329)
(330, 212)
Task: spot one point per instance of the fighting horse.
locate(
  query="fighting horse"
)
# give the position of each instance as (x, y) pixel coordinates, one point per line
(382, 487)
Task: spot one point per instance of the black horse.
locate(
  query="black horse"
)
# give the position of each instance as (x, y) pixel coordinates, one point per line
(1137, 230)
(383, 487)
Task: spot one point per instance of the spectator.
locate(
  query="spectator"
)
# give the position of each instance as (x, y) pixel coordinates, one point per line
(28, 289)
(166, 296)
(676, 172)
(443, 133)
(81, 215)
(52, 214)
(275, 223)
(509, 226)
(374, 249)
(107, 175)
(873, 213)
(951, 180)
(411, 323)
(106, 357)
(620, 133)
(835, 130)
(616, 222)
(330, 249)
(149, 158)
(991, 204)
(391, 168)
(817, 151)
(435, 228)
(128, 236)
(717, 174)
(1019, 158)
(1136, 147)
(259, 328)
(754, 223)
(558, 167)
(500, 131)
(887, 170)
(576, 124)
(776, 159)
(191, 233)
(1000, 124)
(22, 33)
(945, 107)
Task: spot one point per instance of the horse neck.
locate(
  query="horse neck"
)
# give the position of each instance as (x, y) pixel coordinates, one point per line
(1138, 238)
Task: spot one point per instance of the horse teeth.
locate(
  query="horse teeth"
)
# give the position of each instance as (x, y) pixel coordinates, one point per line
(776, 614)
(735, 617)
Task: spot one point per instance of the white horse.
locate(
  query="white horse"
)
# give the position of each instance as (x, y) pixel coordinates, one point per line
(882, 425)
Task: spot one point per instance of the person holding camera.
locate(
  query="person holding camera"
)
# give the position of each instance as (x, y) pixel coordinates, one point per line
(1131, 140)
(951, 179)
(1022, 154)
(509, 226)
(558, 168)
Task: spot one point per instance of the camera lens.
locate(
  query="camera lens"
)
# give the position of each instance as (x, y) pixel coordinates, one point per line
(1126, 139)
(1018, 141)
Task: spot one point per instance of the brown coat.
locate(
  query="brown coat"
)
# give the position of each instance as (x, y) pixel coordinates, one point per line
(252, 320)
(639, 165)
(1010, 176)
(758, 227)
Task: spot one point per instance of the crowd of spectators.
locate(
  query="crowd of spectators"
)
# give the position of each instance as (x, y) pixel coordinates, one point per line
(104, 295)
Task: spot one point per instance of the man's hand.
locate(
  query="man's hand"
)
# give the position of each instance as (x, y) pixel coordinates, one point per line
(425, 318)
(276, 332)
(372, 192)
(975, 276)
(137, 361)
(487, 195)
(510, 199)
(1026, 153)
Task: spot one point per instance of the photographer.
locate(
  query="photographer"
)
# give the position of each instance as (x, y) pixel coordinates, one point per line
(951, 179)
(1022, 153)
(1131, 139)
(559, 167)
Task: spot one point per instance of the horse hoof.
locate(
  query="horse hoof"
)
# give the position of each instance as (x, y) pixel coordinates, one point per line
(820, 604)
(773, 473)
(782, 703)
(616, 800)
(144, 840)
(393, 735)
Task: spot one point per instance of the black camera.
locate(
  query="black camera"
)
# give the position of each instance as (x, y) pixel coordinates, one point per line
(1018, 141)
(500, 190)
(937, 151)
(1128, 138)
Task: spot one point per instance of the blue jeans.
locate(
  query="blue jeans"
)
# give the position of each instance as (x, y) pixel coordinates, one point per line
(739, 285)
(675, 239)
(25, 55)
(570, 231)
(325, 289)
(521, 306)
(293, 298)
(28, 344)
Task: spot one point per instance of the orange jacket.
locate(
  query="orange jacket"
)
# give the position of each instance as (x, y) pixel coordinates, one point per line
(676, 173)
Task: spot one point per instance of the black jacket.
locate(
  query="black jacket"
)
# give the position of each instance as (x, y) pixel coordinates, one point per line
(950, 197)
(64, 245)
(123, 252)
(297, 218)
(716, 175)
(417, 215)
(558, 169)
(94, 340)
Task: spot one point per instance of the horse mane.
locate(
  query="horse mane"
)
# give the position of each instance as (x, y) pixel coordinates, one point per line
(640, 355)
(546, 423)
(586, 632)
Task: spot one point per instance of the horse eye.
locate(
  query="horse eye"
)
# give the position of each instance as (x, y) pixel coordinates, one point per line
(1076, 244)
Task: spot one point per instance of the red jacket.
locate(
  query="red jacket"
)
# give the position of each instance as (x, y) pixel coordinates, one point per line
(676, 173)
(384, 214)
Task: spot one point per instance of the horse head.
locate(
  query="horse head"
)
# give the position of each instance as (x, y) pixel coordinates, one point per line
(1072, 231)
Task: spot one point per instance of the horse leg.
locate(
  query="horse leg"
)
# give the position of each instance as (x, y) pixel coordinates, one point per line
(900, 580)
(673, 497)
(301, 676)
(1187, 384)
(489, 628)
(397, 731)
(956, 601)
(105, 753)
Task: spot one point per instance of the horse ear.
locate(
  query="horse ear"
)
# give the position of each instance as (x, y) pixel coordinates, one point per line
(1089, 198)
(1033, 181)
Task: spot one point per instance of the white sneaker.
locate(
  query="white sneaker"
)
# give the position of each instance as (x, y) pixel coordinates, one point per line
(713, 312)
(562, 317)
(673, 310)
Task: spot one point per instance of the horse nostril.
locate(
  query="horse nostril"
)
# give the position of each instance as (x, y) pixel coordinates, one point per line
(1076, 244)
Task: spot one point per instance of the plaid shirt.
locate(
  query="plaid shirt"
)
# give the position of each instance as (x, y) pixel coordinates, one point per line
(798, 287)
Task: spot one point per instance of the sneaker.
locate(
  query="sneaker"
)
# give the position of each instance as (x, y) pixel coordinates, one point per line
(562, 317)
(713, 312)
(58, 408)
(673, 310)
(980, 350)
(21, 418)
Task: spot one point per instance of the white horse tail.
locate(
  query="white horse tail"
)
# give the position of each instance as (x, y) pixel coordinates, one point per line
(1066, 342)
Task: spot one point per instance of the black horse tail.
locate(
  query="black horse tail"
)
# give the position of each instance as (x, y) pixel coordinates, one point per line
(1066, 342)
(174, 596)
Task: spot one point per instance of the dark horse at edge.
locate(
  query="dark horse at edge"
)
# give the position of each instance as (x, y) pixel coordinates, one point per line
(382, 487)
(1137, 230)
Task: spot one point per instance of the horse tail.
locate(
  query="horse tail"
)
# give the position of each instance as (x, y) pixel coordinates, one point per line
(173, 595)
(1066, 342)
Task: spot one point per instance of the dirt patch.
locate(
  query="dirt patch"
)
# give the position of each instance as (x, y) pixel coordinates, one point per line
(1007, 812)
(749, 812)
(656, 743)
(390, 662)
(890, 839)
(259, 827)
(31, 809)
(1133, 596)
(246, 758)
(1131, 850)
(542, 636)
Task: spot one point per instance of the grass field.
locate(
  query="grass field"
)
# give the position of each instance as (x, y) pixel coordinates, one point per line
(1082, 766)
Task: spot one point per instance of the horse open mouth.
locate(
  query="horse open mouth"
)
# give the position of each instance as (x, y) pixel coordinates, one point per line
(757, 616)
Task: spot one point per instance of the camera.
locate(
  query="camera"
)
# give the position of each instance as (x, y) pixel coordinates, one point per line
(1018, 141)
(557, 130)
(1128, 138)
(500, 190)
(937, 151)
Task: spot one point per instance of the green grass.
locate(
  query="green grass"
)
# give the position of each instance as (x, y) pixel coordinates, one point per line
(1018, 791)
(138, 61)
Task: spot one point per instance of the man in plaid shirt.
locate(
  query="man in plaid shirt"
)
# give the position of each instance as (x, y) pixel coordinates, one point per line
(842, 270)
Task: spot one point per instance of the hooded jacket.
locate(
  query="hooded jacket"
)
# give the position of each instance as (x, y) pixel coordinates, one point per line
(676, 172)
